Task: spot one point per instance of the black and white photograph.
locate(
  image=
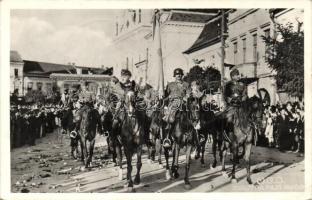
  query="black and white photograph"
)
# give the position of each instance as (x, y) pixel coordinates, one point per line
(157, 100)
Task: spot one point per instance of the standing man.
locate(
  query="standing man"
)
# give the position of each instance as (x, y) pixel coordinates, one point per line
(176, 93)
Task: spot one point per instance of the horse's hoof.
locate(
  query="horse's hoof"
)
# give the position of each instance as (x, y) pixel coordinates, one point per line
(214, 164)
(176, 175)
(233, 180)
(188, 186)
(120, 174)
(137, 180)
(249, 181)
(210, 187)
(224, 174)
(130, 189)
(168, 175)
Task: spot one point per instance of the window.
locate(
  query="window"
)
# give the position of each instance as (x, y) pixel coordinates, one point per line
(15, 73)
(267, 35)
(255, 56)
(235, 52)
(30, 85)
(244, 50)
(66, 86)
(39, 86)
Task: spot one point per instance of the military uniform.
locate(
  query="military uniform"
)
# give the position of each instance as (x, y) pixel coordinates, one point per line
(235, 93)
(176, 92)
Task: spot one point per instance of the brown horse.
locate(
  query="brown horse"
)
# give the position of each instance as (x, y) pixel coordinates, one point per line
(184, 135)
(90, 121)
(238, 133)
(155, 132)
(132, 136)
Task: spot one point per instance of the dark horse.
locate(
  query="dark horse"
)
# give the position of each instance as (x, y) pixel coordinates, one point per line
(132, 136)
(155, 132)
(204, 132)
(90, 120)
(184, 135)
(238, 133)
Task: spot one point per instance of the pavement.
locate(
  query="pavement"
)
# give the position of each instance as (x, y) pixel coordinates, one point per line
(48, 167)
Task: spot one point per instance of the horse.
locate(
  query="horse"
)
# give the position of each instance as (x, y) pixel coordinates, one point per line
(89, 122)
(107, 118)
(155, 133)
(238, 133)
(204, 133)
(184, 133)
(132, 136)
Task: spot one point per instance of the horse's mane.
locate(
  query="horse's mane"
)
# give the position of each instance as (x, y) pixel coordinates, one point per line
(245, 111)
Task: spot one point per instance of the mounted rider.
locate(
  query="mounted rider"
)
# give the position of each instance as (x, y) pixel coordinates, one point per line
(176, 94)
(235, 93)
(119, 89)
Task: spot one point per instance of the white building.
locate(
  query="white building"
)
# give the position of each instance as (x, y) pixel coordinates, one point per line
(246, 48)
(133, 42)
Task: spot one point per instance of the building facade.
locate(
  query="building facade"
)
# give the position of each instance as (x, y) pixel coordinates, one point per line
(134, 42)
(16, 73)
(246, 48)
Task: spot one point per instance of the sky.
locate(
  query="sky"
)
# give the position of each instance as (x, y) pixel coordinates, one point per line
(61, 36)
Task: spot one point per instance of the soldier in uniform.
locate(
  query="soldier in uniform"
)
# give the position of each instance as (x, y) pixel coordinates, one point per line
(235, 93)
(119, 90)
(175, 94)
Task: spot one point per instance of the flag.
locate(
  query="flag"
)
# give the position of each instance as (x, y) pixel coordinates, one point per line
(157, 60)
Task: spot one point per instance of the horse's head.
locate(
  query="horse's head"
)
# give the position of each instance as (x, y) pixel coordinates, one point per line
(194, 109)
(102, 107)
(130, 102)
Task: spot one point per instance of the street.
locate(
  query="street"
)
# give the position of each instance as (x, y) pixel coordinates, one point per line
(48, 167)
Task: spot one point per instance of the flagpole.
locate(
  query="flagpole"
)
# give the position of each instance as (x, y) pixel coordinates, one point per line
(158, 57)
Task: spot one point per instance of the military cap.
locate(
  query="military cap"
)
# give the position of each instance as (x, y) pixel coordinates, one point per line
(177, 71)
(125, 72)
(234, 72)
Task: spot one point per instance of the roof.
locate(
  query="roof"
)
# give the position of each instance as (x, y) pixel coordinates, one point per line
(190, 17)
(87, 77)
(210, 35)
(15, 57)
(34, 67)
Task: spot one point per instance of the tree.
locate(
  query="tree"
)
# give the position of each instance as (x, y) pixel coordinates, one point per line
(285, 55)
(208, 78)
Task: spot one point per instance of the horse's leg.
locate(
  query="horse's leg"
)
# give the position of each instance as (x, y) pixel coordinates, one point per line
(187, 167)
(247, 160)
(119, 161)
(91, 148)
(198, 150)
(159, 150)
(175, 160)
(166, 152)
(137, 178)
(214, 152)
(82, 146)
(223, 156)
(129, 169)
(234, 161)
(202, 160)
